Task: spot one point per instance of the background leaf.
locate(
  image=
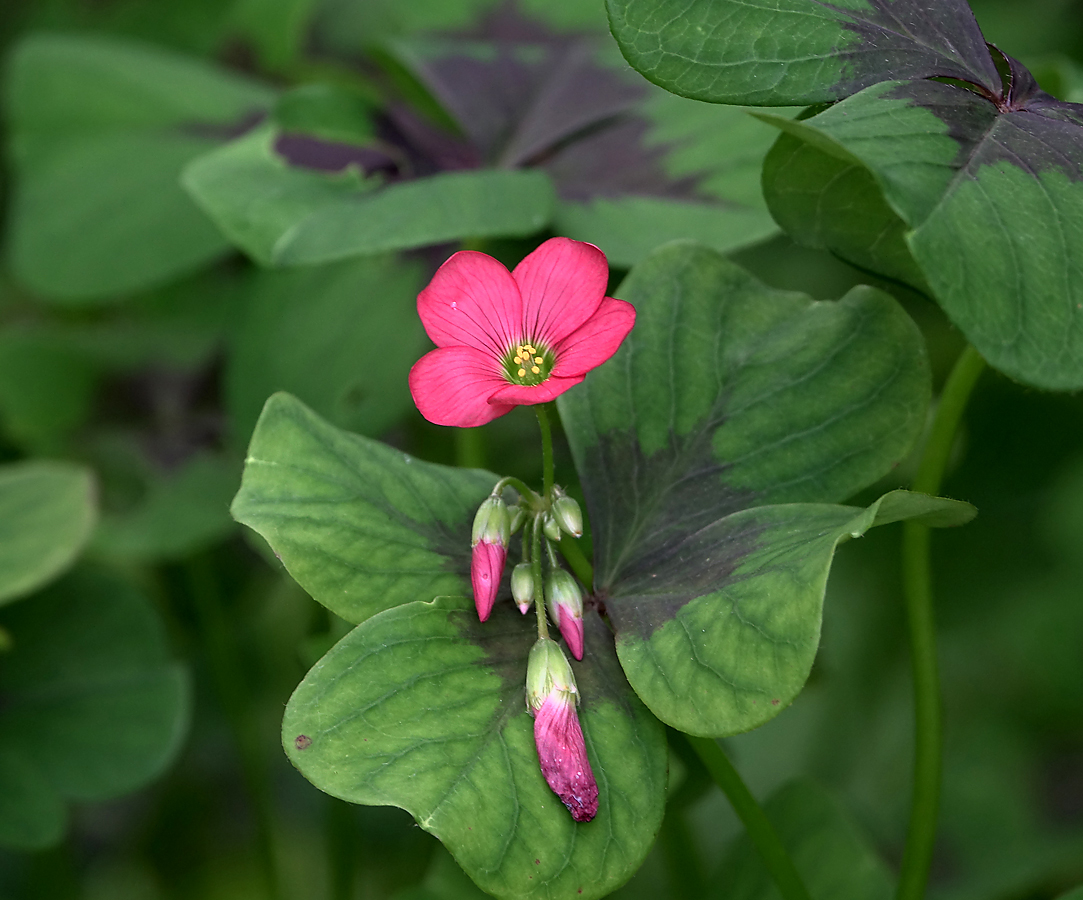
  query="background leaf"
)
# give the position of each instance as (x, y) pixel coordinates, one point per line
(92, 707)
(362, 527)
(834, 859)
(423, 707)
(47, 512)
(715, 49)
(100, 124)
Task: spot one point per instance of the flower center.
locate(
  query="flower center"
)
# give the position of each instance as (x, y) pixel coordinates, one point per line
(528, 364)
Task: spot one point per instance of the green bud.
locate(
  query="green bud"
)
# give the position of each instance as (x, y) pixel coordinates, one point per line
(522, 586)
(547, 670)
(492, 523)
(568, 515)
(518, 517)
(561, 589)
(550, 527)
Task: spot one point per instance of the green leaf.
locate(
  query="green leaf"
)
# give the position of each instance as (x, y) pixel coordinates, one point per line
(360, 526)
(345, 350)
(944, 159)
(283, 215)
(47, 511)
(708, 493)
(1073, 894)
(781, 52)
(833, 204)
(423, 707)
(181, 512)
(90, 705)
(835, 861)
(100, 129)
(325, 111)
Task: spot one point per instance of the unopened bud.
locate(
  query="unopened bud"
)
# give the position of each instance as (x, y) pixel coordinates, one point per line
(518, 517)
(522, 586)
(492, 523)
(547, 670)
(565, 604)
(568, 515)
(550, 527)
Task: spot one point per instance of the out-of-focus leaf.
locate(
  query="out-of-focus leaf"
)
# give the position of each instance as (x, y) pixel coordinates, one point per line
(360, 526)
(423, 707)
(181, 512)
(276, 27)
(100, 129)
(835, 861)
(283, 215)
(46, 388)
(47, 512)
(325, 111)
(341, 338)
(92, 707)
(1074, 894)
(718, 50)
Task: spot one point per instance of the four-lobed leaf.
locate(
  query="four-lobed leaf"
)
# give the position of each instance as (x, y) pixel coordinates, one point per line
(709, 496)
(423, 707)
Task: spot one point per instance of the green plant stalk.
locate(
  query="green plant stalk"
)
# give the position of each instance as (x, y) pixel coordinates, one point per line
(547, 450)
(228, 680)
(469, 448)
(921, 623)
(536, 568)
(577, 561)
(760, 830)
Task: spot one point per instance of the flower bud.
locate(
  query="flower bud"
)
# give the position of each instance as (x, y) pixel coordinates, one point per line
(550, 527)
(491, 523)
(518, 517)
(565, 604)
(568, 515)
(551, 698)
(490, 542)
(522, 586)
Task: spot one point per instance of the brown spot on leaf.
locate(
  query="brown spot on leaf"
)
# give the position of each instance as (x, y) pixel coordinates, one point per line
(302, 742)
(774, 703)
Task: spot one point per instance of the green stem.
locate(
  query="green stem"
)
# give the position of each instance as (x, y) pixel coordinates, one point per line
(760, 830)
(577, 560)
(469, 448)
(536, 567)
(229, 678)
(917, 587)
(524, 491)
(547, 449)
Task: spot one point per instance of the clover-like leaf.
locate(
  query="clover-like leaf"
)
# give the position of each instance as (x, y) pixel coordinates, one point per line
(991, 194)
(835, 860)
(91, 707)
(100, 129)
(361, 526)
(423, 707)
(772, 53)
(283, 214)
(47, 512)
(709, 497)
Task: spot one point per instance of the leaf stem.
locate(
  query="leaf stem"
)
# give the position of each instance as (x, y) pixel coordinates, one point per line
(577, 560)
(547, 449)
(536, 568)
(917, 588)
(760, 830)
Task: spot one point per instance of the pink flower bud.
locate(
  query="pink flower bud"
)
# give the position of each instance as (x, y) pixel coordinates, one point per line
(486, 567)
(565, 604)
(562, 752)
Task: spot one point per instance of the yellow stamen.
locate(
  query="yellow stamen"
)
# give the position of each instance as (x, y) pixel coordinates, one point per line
(522, 372)
(535, 369)
(519, 360)
(538, 360)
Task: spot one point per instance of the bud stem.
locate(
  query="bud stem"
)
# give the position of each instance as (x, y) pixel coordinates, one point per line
(535, 527)
(547, 449)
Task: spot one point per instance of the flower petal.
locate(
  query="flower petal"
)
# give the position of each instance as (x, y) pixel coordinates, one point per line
(563, 756)
(571, 629)
(562, 283)
(472, 301)
(486, 569)
(528, 395)
(452, 386)
(596, 341)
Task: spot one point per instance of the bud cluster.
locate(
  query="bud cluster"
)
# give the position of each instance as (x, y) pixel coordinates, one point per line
(551, 692)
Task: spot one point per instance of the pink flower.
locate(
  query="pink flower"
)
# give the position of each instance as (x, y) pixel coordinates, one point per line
(506, 339)
(489, 540)
(551, 697)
